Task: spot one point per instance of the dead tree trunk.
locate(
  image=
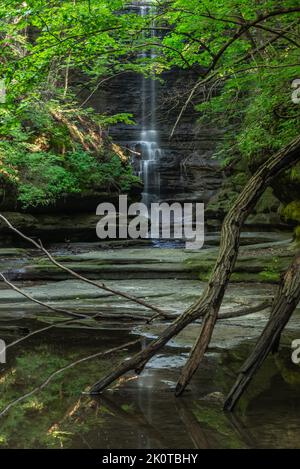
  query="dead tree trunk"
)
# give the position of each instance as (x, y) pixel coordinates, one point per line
(285, 302)
(210, 301)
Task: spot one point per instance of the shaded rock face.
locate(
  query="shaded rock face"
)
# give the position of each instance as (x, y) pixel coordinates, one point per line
(72, 203)
(50, 226)
(185, 168)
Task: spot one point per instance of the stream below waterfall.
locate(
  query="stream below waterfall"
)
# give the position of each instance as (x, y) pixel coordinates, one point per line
(142, 412)
(137, 412)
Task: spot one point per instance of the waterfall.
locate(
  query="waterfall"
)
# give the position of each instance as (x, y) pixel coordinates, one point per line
(148, 145)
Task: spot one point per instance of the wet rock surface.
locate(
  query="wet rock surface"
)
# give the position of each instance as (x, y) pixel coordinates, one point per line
(171, 279)
(257, 262)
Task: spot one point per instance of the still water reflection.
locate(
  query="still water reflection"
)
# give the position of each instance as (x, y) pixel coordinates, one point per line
(143, 412)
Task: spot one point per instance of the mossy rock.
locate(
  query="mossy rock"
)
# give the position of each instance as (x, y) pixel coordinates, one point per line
(289, 371)
(268, 203)
(297, 234)
(291, 212)
(263, 268)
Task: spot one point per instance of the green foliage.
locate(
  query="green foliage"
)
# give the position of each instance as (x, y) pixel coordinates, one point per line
(249, 90)
(272, 271)
(248, 72)
(43, 177)
(50, 145)
(292, 211)
(41, 161)
(297, 234)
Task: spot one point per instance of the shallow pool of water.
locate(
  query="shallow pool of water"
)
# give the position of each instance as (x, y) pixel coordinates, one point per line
(141, 412)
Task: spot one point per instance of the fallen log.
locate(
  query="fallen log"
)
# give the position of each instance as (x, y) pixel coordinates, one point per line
(285, 302)
(210, 301)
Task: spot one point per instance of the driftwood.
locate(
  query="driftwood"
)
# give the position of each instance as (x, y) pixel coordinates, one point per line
(95, 316)
(210, 301)
(285, 302)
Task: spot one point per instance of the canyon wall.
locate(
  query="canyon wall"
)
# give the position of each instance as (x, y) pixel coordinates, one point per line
(186, 168)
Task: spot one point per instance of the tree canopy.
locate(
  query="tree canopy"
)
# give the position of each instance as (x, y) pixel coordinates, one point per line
(246, 55)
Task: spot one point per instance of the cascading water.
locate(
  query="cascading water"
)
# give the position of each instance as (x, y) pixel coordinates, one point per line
(148, 145)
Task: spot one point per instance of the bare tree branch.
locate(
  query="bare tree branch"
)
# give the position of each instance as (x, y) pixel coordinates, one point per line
(244, 26)
(102, 286)
(61, 370)
(29, 297)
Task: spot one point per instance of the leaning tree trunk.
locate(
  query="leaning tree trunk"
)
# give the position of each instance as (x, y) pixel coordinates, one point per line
(209, 303)
(285, 302)
(230, 236)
